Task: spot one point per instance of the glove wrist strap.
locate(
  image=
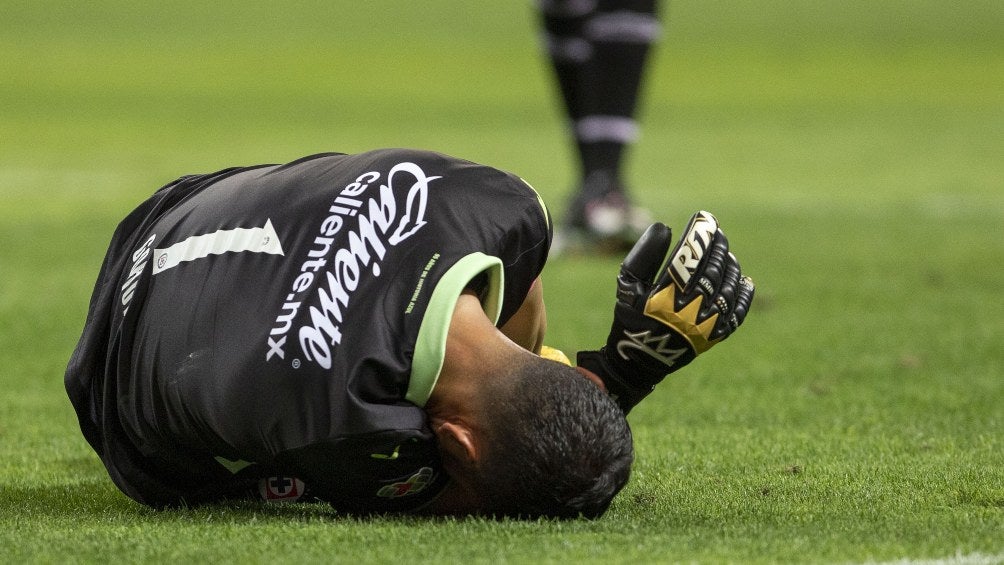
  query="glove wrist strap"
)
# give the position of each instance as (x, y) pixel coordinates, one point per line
(625, 395)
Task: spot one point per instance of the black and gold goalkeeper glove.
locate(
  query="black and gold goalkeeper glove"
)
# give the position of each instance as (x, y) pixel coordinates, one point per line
(666, 316)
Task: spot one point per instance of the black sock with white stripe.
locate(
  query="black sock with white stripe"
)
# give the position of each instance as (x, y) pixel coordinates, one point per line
(598, 49)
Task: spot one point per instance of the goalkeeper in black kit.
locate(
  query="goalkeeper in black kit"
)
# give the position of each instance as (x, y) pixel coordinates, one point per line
(367, 330)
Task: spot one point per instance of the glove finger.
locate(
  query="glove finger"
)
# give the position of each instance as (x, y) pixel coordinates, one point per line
(711, 271)
(685, 259)
(647, 255)
(744, 299)
(724, 302)
(642, 264)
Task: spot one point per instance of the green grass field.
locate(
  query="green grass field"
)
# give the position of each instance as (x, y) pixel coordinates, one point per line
(852, 151)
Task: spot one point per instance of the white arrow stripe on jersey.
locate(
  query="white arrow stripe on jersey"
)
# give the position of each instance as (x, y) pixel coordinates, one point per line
(253, 240)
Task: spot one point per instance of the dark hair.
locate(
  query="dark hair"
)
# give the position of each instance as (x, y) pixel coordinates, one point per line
(555, 445)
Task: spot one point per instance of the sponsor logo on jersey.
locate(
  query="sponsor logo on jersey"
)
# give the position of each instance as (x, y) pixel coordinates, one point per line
(329, 276)
(414, 485)
(139, 260)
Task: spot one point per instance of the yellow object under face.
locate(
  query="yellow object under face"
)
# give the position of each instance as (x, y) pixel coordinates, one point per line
(554, 355)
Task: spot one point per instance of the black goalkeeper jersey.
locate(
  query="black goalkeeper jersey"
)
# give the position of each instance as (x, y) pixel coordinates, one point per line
(291, 320)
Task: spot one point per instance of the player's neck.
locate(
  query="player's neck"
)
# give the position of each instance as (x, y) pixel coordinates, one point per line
(474, 350)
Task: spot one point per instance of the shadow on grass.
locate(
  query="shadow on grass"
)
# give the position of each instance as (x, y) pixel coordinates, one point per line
(99, 501)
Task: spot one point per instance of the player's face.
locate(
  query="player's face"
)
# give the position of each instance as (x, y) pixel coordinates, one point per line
(456, 500)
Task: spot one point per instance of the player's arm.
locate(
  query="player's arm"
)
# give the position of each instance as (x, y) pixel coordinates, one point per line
(527, 326)
(669, 310)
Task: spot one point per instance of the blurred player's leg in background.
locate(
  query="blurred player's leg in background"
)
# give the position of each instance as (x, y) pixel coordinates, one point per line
(598, 50)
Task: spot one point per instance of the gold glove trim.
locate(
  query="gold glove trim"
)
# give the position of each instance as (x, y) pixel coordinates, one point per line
(661, 307)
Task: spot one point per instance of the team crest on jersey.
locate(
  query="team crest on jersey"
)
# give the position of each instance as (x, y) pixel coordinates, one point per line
(413, 485)
(329, 275)
(281, 489)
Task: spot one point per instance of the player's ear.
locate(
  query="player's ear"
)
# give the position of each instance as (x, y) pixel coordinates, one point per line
(592, 377)
(456, 440)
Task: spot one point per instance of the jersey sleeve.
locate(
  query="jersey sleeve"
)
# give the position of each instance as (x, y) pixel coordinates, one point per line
(430, 346)
(524, 249)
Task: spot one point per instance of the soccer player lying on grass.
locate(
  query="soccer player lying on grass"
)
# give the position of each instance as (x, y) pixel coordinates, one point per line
(364, 330)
